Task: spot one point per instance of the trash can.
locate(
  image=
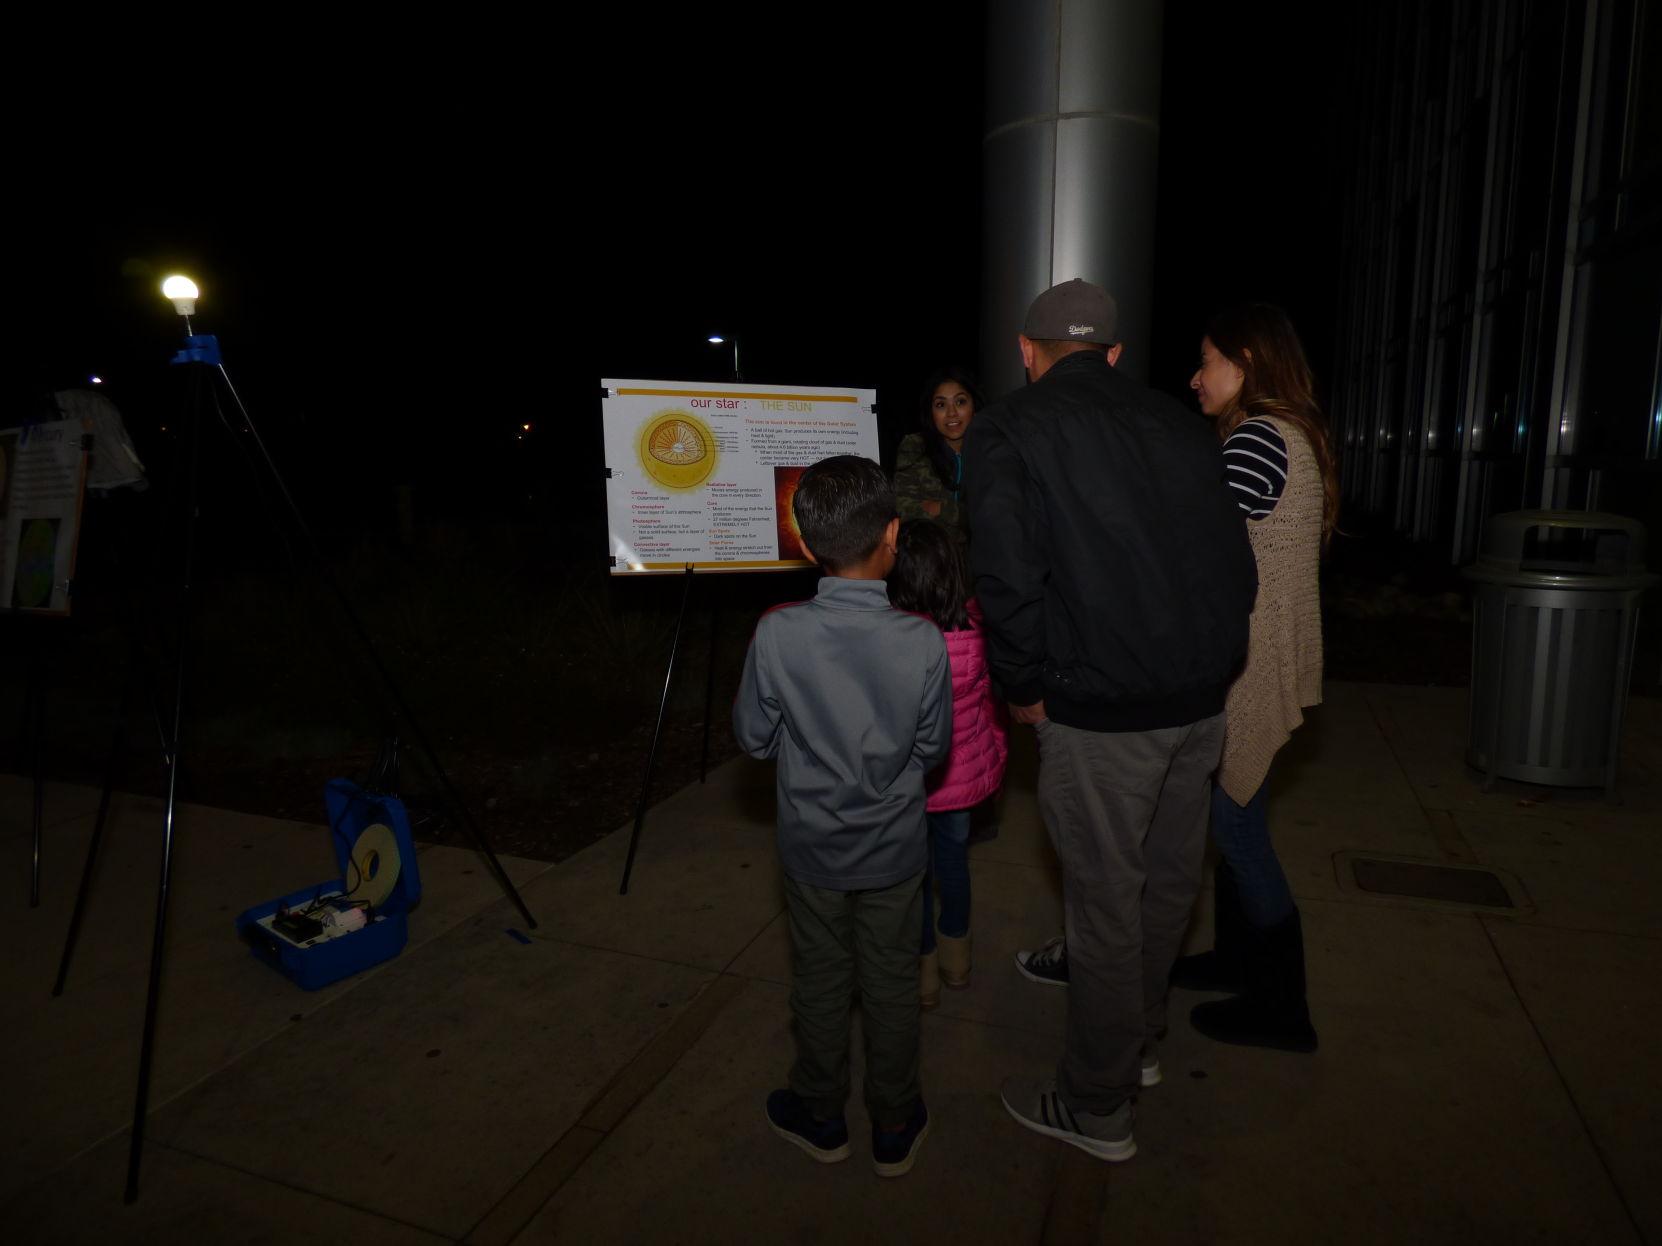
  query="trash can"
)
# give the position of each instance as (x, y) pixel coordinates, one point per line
(1554, 620)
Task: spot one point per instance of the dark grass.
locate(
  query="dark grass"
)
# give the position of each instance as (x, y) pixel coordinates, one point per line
(535, 674)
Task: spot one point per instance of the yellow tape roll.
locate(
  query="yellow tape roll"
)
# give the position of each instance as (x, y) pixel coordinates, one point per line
(377, 864)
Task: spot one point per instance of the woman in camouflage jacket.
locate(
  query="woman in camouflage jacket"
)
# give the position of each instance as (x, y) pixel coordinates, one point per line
(928, 474)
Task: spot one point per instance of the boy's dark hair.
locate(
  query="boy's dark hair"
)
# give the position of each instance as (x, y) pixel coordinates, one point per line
(928, 575)
(842, 505)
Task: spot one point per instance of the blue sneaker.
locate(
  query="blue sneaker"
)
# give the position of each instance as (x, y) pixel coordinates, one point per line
(825, 1141)
(892, 1152)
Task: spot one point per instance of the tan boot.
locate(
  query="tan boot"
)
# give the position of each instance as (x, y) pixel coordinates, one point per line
(929, 981)
(955, 960)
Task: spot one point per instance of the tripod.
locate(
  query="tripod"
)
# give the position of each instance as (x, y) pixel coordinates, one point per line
(207, 379)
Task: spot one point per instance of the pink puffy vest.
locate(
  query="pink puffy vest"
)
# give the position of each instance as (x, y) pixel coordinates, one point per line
(974, 769)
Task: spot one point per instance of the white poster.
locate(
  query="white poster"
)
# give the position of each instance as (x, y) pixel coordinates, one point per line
(42, 479)
(702, 474)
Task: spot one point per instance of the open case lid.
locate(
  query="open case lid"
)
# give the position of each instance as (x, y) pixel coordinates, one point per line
(371, 835)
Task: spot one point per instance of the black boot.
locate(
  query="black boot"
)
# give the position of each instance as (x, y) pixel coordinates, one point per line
(1272, 1012)
(1221, 968)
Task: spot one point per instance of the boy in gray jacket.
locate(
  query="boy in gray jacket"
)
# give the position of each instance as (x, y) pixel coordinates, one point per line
(854, 700)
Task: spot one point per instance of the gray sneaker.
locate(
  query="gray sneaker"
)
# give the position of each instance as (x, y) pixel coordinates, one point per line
(1035, 1104)
(1151, 1065)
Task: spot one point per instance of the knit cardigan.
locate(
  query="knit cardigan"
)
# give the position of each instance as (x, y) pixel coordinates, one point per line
(974, 769)
(1283, 672)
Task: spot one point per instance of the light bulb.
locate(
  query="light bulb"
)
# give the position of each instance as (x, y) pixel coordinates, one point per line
(183, 292)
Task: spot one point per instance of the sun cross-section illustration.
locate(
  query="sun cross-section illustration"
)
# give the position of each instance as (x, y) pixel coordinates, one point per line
(677, 450)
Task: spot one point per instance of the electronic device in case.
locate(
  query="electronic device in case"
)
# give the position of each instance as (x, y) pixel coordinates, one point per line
(334, 929)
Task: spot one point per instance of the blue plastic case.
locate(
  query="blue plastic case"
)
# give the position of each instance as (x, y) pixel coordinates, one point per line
(322, 961)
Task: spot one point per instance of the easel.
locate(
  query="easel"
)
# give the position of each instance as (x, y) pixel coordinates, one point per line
(33, 731)
(663, 707)
(772, 399)
(669, 676)
(206, 378)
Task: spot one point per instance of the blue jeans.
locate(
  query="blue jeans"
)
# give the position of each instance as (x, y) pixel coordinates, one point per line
(948, 866)
(1242, 834)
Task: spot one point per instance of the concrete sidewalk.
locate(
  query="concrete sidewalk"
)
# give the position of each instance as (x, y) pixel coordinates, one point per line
(1482, 1077)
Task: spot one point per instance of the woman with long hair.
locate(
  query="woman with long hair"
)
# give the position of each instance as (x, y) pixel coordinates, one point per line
(929, 472)
(1253, 379)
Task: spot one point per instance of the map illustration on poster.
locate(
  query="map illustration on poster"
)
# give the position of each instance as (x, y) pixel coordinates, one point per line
(43, 470)
(702, 474)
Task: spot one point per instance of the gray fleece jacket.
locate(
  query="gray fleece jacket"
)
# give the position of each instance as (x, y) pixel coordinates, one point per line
(854, 699)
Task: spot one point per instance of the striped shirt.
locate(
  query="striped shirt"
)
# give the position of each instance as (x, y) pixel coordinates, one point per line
(1255, 465)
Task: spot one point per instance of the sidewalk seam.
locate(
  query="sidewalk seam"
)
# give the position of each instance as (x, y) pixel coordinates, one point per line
(1443, 829)
(158, 1105)
(1569, 1092)
(750, 943)
(616, 1101)
(299, 1189)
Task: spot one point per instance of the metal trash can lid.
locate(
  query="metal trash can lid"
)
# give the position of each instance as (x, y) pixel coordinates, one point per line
(1562, 549)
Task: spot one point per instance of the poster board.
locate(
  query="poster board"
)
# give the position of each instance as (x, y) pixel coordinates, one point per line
(702, 474)
(43, 475)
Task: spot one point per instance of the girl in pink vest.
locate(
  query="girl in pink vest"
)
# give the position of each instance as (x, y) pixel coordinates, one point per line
(928, 579)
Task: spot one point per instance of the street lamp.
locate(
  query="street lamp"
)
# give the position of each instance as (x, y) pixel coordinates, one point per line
(717, 339)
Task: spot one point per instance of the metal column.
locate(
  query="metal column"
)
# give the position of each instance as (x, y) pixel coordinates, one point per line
(1071, 156)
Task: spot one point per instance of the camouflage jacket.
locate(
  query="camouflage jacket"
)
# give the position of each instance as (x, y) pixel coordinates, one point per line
(915, 483)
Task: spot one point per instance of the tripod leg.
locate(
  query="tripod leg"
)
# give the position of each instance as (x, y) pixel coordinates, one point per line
(709, 681)
(657, 731)
(141, 1097)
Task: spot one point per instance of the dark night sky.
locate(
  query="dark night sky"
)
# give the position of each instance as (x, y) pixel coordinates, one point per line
(406, 251)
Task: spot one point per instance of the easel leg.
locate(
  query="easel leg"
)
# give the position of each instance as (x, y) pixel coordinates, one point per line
(34, 718)
(90, 867)
(657, 731)
(710, 680)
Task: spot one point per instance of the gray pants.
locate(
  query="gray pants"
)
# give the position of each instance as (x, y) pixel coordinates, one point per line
(837, 936)
(1127, 814)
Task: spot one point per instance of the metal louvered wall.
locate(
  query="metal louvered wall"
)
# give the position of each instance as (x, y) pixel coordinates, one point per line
(1500, 324)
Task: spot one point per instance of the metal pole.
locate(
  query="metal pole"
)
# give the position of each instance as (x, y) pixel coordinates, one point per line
(1069, 167)
(141, 1099)
(657, 731)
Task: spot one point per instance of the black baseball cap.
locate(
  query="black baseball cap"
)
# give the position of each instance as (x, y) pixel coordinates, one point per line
(1075, 311)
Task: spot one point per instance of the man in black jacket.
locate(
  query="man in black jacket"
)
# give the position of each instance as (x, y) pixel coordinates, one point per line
(1117, 583)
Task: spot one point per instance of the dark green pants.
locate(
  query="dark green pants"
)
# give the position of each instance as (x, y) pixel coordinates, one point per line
(838, 938)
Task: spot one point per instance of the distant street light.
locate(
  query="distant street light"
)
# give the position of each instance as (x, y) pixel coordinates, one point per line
(717, 339)
(95, 380)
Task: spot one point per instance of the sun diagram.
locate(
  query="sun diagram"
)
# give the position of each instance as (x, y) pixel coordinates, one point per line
(677, 449)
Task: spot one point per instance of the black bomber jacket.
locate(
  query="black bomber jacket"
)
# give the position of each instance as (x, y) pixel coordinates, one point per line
(1109, 558)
